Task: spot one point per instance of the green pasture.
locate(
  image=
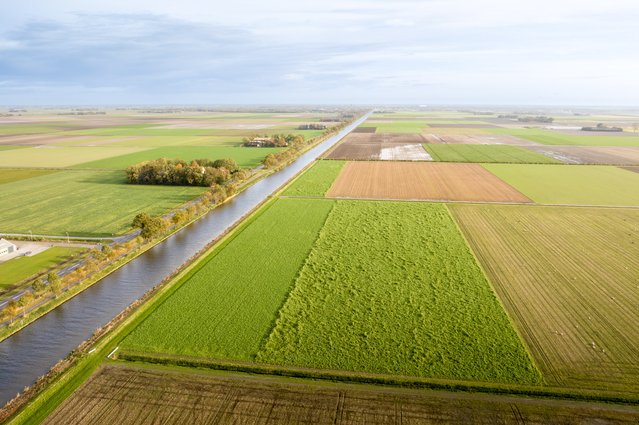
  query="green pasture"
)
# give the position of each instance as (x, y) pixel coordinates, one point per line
(91, 203)
(227, 306)
(317, 180)
(571, 184)
(51, 156)
(486, 153)
(392, 287)
(245, 157)
(20, 268)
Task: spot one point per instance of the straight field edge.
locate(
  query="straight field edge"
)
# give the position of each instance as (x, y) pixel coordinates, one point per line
(143, 358)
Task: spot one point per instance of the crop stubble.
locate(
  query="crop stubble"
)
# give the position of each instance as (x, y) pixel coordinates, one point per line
(128, 395)
(568, 276)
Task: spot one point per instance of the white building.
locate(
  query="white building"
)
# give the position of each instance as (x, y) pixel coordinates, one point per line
(6, 247)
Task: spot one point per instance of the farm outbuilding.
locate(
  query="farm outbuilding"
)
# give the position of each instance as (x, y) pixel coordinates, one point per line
(6, 247)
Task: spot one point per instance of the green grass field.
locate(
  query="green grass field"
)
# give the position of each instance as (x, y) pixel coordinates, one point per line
(245, 157)
(20, 268)
(14, 175)
(571, 184)
(60, 156)
(486, 153)
(393, 288)
(317, 180)
(226, 308)
(94, 203)
(549, 137)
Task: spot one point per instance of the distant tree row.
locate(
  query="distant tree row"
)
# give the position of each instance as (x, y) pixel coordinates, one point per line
(176, 172)
(538, 118)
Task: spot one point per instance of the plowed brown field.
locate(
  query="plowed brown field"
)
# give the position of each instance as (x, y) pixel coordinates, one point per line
(432, 181)
(128, 395)
(569, 277)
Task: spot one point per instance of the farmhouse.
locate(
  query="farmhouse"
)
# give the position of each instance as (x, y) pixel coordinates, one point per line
(259, 142)
(6, 247)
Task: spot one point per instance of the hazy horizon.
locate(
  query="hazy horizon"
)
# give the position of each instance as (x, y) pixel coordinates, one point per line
(437, 53)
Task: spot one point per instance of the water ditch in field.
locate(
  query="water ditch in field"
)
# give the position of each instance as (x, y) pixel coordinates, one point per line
(31, 352)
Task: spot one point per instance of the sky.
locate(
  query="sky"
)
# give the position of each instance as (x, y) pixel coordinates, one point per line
(430, 52)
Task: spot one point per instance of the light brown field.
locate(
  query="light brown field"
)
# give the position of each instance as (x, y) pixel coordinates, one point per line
(127, 395)
(422, 180)
(453, 137)
(569, 278)
(633, 169)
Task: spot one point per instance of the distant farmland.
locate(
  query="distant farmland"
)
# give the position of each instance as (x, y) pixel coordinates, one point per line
(392, 288)
(568, 276)
(486, 153)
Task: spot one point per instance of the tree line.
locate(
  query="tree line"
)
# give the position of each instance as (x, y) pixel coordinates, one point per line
(275, 140)
(177, 172)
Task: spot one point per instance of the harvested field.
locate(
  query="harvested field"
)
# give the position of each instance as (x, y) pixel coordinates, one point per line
(591, 154)
(129, 395)
(428, 181)
(386, 146)
(392, 287)
(364, 130)
(476, 139)
(633, 169)
(568, 277)
(397, 152)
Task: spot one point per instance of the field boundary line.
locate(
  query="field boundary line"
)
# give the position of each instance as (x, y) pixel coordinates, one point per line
(126, 356)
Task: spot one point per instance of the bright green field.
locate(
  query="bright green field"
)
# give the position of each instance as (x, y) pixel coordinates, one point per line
(16, 269)
(392, 287)
(84, 202)
(226, 308)
(59, 156)
(245, 157)
(549, 137)
(571, 184)
(316, 180)
(13, 175)
(486, 153)
(413, 126)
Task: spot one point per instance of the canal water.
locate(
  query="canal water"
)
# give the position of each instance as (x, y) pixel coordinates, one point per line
(31, 352)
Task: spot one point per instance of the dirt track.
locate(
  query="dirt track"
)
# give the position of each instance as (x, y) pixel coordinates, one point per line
(422, 180)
